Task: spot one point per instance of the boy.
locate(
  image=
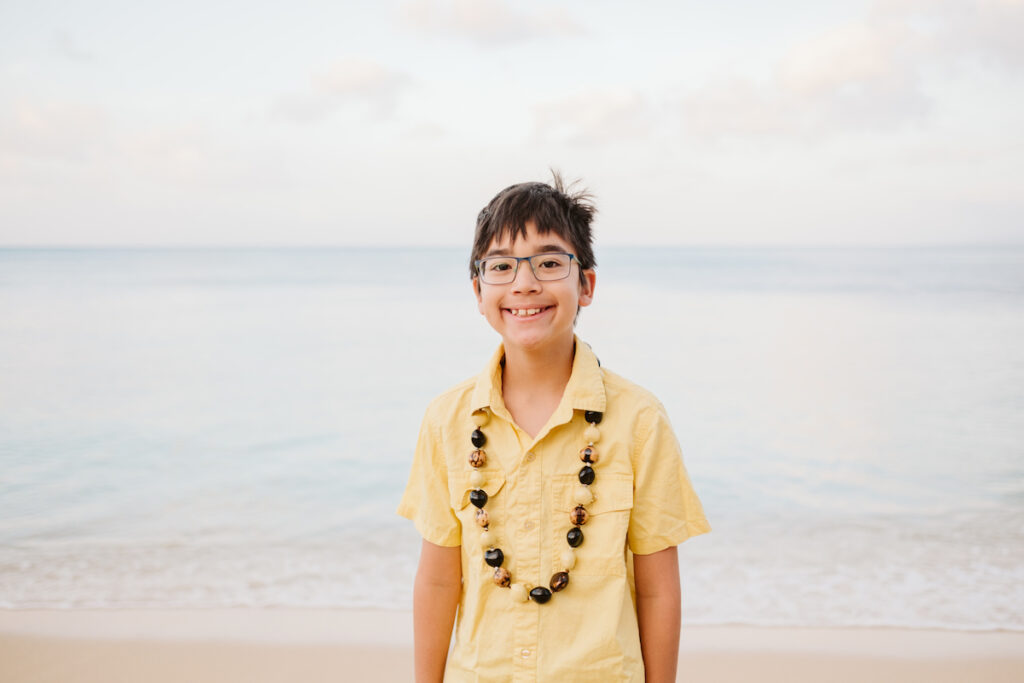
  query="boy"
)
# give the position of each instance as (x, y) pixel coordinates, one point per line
(542, 469)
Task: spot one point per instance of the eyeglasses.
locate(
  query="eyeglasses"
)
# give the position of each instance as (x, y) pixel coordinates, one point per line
(501, 270)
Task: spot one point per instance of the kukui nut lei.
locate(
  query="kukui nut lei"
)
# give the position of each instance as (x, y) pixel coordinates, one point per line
(493, 555)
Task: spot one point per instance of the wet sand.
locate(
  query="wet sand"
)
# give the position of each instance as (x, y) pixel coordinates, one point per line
(268, 645)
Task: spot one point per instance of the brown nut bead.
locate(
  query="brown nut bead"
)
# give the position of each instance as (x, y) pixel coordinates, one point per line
(588, 454)
(477, 458)
(502, 577)
(559, 581)
(481, 517)
(579, 515)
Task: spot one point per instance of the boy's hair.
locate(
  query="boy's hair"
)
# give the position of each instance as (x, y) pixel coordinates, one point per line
(552, 208)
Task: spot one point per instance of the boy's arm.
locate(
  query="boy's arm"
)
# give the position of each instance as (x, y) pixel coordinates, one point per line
(658, 612)
(435, 598)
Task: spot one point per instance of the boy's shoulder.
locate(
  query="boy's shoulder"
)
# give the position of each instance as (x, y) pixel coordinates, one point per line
(454, 398)
(618, 389)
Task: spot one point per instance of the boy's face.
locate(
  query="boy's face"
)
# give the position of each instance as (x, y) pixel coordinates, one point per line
(555, 302)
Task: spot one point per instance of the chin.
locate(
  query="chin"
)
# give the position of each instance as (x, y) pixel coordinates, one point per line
(536, 341)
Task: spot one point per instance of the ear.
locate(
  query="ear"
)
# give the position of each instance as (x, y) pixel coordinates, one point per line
(587, 287)
(476, 293)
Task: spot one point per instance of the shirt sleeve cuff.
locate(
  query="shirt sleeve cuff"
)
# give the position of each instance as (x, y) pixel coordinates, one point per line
(438, 535)
(690, 528)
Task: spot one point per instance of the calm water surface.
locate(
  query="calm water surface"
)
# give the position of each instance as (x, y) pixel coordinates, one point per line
(234, 427)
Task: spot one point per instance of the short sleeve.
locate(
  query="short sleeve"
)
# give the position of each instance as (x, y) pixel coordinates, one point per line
(426, 500)
(666, 510)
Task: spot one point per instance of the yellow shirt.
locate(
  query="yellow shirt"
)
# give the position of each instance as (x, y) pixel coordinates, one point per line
(643, 503)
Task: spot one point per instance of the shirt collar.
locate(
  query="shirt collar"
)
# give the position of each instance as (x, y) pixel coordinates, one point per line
(584, 391)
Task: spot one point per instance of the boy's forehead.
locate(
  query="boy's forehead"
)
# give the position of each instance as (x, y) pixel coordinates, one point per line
(534, 239)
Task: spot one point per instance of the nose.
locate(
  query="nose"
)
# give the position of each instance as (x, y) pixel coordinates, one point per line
(525, 280)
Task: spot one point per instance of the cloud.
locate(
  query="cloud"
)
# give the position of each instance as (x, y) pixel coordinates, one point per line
(349, 82)
(345, 83)
(53, 130)
(68, 47)
(988, 30)
(735, 106)
(856, 52)
(864, 75)
(487, 22)
(593, 117)
(427, 130)
(44, 142)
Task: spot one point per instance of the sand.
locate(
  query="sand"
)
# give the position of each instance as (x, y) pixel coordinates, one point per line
(265, 645)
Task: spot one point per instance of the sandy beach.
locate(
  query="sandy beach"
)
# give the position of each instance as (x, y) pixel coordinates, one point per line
(265, 645)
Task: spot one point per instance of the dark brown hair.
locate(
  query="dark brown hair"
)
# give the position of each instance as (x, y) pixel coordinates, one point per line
(552, 208)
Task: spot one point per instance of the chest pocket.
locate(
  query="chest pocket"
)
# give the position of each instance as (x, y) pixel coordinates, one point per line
(459, 489)
(603, 550)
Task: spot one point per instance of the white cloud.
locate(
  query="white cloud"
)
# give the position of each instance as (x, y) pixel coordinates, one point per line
(862, 75)
(853, 53)
(68, 47)
(57, 130)
(354, 77)
(954, 29)
(593, 117)
(737, 106)
(42, 141)
(427, 130)
(347, 82)
(486, 21)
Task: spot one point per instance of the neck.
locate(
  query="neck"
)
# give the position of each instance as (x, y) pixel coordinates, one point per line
(544, 371)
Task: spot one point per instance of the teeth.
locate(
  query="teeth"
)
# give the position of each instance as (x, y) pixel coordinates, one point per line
(523, 312)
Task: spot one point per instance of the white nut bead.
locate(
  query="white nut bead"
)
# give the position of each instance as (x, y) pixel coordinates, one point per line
(519, 592)
(476, 478)
(486, 539)
(480, 418)
(583, 495)
(592, 434)
(568, 559)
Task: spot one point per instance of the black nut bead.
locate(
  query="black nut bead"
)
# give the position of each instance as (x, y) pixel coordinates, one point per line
(574, 537)
(478, 438)
(540, 595)
(559, 581)
(593, 416)
(494, 557)
(586, 475)
(478, 497)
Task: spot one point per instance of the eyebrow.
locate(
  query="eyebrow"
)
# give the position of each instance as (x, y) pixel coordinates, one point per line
(543, 249)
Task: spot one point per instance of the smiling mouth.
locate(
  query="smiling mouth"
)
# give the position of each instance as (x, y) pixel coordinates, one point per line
(527, 312)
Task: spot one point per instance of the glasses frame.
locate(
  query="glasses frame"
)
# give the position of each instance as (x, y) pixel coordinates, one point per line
(479, 263)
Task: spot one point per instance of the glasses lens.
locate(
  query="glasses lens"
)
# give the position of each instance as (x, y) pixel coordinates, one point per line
(551, 266)
(498, 270)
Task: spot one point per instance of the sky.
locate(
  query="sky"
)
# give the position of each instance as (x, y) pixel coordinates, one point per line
(216, 123)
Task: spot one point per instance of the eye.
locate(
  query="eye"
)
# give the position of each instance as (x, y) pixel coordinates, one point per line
(497, 266)
(553, 262)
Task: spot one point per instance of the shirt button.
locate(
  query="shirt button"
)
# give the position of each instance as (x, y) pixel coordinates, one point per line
(528, 525)
(530, 456)
(525, 653)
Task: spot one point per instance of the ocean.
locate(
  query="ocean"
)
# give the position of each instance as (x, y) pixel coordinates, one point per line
(234, 427)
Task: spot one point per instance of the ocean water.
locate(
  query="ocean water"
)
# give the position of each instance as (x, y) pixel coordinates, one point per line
(200, 428)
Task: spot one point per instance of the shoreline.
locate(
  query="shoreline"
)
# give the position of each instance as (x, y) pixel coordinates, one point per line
(285, 644)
